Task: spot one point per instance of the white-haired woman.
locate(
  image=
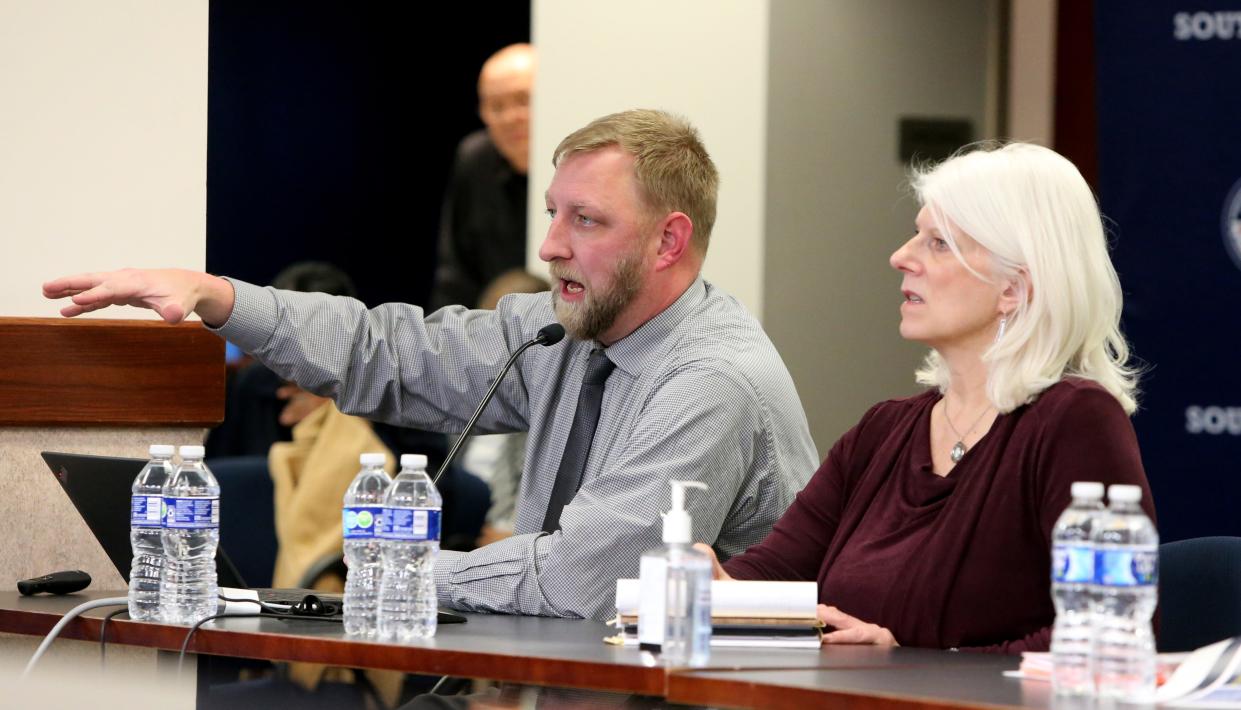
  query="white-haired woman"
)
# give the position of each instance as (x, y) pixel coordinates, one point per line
(929, 522)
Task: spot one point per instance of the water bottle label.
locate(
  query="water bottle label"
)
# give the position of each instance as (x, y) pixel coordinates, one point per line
(146, 511)
(192, 513)
(361, 521)
(1072, 563)
(419, 524)
(1127, 567)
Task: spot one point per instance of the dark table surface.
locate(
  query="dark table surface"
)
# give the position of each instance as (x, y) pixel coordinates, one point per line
(571, 653)
(960, 681)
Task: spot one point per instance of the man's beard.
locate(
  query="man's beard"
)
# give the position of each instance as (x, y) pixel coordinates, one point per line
(599, 309)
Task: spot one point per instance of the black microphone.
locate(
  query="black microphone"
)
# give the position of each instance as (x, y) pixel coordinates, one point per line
(548, 335)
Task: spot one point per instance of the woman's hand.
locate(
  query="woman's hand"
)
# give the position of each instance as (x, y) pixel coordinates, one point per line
(849, 629)
(717, 570)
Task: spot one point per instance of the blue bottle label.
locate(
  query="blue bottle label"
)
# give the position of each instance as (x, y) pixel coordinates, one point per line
(362, 521)
(146, 511)
(1127, 567)
(418, 524)
(1072, 564)
(192, 513)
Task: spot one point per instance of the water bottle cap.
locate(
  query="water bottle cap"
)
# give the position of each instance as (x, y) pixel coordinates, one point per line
(372, 459)
(413, 461)
(162, 450)
(1091, 490)
(1122, 493)
(192, 452)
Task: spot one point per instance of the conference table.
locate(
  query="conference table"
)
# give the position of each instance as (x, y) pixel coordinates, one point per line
(572, 654)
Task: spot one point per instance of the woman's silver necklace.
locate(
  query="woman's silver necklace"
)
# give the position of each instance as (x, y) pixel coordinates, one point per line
(959, 448)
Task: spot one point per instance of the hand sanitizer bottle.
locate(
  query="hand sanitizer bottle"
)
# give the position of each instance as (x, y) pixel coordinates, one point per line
(674, 614)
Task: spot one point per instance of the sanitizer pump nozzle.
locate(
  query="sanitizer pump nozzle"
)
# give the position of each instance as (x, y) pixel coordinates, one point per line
(678, 526)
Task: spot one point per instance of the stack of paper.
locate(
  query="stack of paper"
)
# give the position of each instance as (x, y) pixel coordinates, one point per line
(753, 614)
(1209, 678)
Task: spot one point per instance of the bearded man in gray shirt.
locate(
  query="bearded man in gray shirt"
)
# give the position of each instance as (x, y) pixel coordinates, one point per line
(683, 382)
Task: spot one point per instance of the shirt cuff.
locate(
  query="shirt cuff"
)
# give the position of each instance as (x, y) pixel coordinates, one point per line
(498, 578)
(254, 317)
(444, 567)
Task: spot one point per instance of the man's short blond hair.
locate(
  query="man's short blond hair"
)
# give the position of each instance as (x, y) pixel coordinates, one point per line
(674, 171)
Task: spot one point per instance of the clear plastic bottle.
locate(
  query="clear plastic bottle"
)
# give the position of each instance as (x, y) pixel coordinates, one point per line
(675, 613)
(1072, 590)
(188, 590)
(408, 606)
(146, 533)
(363, 508)
(1126, 579)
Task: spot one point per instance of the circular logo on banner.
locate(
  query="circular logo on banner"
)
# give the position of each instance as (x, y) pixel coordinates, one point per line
(1232, 223)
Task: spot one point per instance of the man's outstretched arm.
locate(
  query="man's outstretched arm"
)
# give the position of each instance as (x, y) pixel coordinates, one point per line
(172, 293)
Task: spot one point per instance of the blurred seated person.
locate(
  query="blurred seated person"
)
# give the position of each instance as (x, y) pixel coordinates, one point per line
(260, 407)
(929, 523)
(497, 458)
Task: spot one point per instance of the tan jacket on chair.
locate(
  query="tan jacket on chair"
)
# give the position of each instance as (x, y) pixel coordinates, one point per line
(310, 475)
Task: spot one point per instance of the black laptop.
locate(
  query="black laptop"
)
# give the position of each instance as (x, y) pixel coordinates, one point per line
(99, 487)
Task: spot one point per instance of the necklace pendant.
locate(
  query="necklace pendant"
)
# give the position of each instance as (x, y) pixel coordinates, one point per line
(958, 451)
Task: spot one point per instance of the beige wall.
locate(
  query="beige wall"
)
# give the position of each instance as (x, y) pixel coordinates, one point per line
(69, 675)
(103, 141)
(842, 73)
(706, 61)
(1032, 71)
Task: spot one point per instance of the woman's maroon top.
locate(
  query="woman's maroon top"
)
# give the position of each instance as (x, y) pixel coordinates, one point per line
(956, 561)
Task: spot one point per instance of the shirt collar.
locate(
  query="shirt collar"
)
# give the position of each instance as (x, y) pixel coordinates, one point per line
(631, 352)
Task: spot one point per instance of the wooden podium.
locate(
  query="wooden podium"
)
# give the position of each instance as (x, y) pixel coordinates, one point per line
(109, 387)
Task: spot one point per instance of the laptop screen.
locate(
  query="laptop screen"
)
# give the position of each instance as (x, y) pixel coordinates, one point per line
(99, 487)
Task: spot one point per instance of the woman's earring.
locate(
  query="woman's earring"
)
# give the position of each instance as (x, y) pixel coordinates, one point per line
(1003, 326)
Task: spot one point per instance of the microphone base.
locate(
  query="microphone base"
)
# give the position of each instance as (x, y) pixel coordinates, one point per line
(447, 617)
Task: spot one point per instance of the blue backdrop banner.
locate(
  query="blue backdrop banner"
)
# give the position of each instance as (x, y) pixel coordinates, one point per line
(1169, 91)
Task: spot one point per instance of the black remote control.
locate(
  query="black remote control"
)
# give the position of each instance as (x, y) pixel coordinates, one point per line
(55, 583)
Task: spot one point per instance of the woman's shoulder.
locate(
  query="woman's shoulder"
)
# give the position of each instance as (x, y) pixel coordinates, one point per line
(892, 414)
(886, 424)
(1074, 404)
(900, 407)
(1076, 397)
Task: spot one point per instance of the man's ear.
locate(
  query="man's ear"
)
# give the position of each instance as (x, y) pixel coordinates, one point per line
(675, 237)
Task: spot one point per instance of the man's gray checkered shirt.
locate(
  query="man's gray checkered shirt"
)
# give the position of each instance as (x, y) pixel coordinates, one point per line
(698, 393)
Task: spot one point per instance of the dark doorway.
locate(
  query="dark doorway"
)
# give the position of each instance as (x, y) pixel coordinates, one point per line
(331, 130)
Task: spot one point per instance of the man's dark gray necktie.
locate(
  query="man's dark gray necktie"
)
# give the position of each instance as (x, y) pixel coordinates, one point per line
(577, 448)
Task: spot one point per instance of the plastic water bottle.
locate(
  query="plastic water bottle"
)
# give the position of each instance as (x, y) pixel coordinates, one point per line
(1072, 590)
(363, 508)
(408, 606)
(1126, 579)
(146, 533)
(188, 591)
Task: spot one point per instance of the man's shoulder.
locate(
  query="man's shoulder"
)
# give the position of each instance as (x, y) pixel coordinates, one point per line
(722, 320)
(721, 336)
(534, 307)
(477, 148)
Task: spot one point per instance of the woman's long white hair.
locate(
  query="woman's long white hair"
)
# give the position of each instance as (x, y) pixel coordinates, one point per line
(1032, 210)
